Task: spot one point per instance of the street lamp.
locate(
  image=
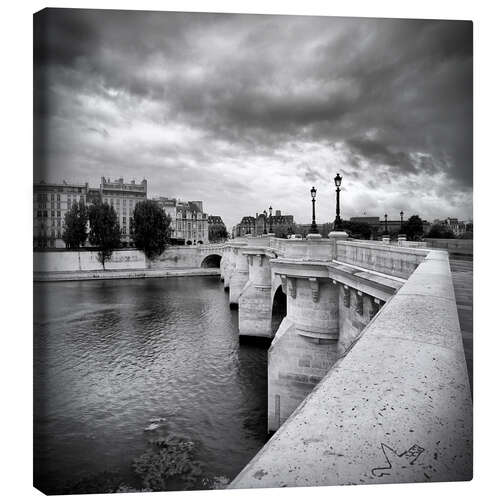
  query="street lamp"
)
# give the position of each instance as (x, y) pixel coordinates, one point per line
(314, 228)
(338, 181)
(401, 213)
(265, 217)
(385, 216)
(270, 219)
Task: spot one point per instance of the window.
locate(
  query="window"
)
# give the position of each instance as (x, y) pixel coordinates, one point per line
(52, 197)
(45, 213)
(58, 197)
(58, 205)
(124, 221)
(39, 213)
(59, 213)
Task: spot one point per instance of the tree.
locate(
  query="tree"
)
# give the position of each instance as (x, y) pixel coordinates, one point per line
(75, 226)
(104, 230)
(150, 228)
(413, 228)
(357, 230)
(217, 232)
(284, 230)
(440, 231)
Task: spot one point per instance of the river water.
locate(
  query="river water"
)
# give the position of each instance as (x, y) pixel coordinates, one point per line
(119, 364)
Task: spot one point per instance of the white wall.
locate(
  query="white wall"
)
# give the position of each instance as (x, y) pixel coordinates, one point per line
(86, 261)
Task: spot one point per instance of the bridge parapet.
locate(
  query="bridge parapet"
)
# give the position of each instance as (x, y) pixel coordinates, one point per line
(387, 259)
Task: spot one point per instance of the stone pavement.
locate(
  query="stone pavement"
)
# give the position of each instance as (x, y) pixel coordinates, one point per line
(461, 271)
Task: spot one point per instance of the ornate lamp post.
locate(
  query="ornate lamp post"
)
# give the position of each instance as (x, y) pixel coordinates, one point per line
(338, 181)
(270, 219)
(314, 228)
(401, 213)
(265, 218)
(385, 216)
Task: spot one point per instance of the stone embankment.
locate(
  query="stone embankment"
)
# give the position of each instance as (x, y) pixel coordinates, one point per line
(84, 265)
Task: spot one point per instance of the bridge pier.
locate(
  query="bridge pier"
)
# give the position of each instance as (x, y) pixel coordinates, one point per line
(228, 267)
(239, 276)
(305, 346)
(255, 303)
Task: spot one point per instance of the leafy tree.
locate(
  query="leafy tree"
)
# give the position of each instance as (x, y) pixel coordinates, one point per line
(358, 230)
(75, 226)
(104, 230)
(217, 232)
(150, 228)
(440, 231)
(284, 230)
(413, 228)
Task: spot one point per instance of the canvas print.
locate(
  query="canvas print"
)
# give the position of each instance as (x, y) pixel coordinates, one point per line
(252, 250)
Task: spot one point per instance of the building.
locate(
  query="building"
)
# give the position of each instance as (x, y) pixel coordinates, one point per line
(263, 223)
(458, 227)
(123, 198)
(188, 221)
(51, 202)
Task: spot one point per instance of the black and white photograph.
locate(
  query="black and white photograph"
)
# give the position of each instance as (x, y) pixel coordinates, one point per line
(252, 251)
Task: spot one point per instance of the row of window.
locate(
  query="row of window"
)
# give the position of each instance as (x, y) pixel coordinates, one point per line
(44, 197)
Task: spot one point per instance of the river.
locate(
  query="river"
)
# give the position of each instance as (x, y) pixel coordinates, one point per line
(129, 371)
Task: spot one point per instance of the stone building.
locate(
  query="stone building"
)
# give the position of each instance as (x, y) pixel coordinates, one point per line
(188, 221)
(51, 202)
(123, 197)
(263, 223)
(459, 228)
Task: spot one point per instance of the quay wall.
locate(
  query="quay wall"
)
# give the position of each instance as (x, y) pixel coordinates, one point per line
(50, 262)
(76, 261)
(397, 408)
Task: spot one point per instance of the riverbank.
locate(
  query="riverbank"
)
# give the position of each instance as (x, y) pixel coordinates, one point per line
(122, 274)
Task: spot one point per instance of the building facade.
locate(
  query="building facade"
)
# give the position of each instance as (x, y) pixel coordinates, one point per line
(263, 223)
(459, 228)
(123, 197)
(51, 202)
(188, 221)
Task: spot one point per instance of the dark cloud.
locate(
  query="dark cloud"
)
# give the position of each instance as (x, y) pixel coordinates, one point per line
(181, 98)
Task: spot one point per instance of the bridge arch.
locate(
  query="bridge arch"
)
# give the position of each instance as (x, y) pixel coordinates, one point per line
(278, 311)
(211, 261)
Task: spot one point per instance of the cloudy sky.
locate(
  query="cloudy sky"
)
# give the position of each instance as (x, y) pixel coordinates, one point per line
(245, 111)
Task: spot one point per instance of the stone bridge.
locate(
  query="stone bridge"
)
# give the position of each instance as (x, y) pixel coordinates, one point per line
(367, 380)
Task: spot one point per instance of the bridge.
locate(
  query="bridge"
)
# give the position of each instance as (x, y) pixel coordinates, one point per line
(367, 379)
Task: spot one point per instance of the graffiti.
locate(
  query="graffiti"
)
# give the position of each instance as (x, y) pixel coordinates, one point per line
(395, 461)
